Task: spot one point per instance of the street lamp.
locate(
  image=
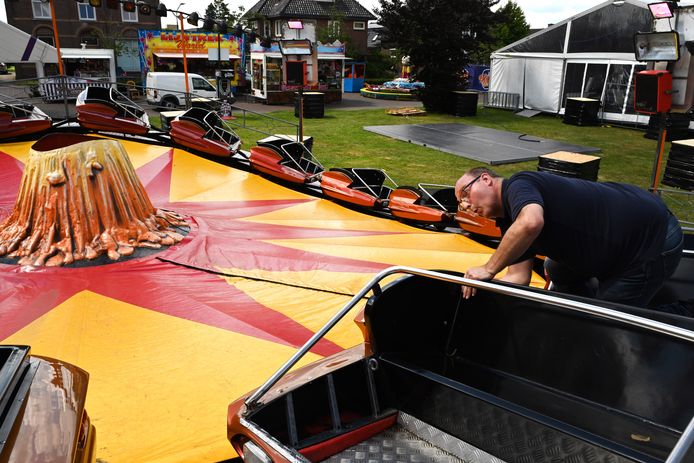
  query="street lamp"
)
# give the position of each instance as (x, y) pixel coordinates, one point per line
(220, 26)
(193, 18)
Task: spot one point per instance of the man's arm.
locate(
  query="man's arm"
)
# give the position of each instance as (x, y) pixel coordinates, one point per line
(519, 273)
(517, 239)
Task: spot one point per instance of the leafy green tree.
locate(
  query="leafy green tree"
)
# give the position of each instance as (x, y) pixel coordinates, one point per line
(510, 26)
(439, 37)
(218, 9)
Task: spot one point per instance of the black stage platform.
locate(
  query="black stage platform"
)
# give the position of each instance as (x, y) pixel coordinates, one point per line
(479, 143)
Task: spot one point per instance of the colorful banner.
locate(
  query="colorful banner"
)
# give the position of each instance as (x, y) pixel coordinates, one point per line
(167, 42)
(478, 77)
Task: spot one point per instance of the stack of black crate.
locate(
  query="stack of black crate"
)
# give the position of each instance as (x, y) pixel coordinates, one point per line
(582, 111)
(568, 164)
(677, 126)
(679, 170)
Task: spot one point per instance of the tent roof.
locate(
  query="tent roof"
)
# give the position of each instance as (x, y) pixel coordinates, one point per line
(17, 46)
(605, 28)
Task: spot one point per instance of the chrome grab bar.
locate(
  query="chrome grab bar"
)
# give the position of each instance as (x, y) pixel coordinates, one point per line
(683, 445)
(558, 301)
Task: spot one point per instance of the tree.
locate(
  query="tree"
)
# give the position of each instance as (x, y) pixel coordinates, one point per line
(218, 9)
(438, 36)
(510, 27)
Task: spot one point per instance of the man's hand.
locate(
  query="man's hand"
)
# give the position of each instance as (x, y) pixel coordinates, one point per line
(475, 273)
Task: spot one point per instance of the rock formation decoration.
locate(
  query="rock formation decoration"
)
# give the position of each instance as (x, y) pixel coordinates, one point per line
(79, 199)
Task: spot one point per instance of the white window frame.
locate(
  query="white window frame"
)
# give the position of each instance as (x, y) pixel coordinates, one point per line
(278, 28)
(267, 28)
(127, 16)
(335, 27)
(44, 9)
(87, 6)
(359, 25)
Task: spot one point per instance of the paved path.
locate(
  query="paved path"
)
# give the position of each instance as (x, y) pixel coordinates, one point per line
(350, 101)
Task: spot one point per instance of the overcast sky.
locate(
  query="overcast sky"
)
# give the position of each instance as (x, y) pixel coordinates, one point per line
(538, 13)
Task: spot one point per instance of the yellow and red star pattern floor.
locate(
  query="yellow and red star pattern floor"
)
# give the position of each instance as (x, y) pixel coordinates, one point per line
(171, 339)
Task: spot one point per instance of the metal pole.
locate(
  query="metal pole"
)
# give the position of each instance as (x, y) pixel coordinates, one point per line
(300, 138)
(657, 163)
(185, 61)
(56, 39)
(219, 64)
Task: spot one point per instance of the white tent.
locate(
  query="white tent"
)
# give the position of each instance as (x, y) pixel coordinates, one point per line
(589, 55)
(16, 46)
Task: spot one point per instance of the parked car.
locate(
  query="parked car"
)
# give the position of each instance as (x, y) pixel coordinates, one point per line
(42, 415)
(167, 89)
(3, 68)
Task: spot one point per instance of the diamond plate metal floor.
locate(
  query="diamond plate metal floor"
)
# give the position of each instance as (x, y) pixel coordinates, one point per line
(405, 443)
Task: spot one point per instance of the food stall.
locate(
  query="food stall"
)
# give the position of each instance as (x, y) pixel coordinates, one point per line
(160, 50)
(280, 70)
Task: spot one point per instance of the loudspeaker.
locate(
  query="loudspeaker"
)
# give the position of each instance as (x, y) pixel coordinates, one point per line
(653, 92)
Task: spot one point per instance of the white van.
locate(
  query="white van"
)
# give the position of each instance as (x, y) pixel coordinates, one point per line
(167, 89)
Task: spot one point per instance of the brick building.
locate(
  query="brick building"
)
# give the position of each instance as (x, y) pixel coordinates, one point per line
(81, 25)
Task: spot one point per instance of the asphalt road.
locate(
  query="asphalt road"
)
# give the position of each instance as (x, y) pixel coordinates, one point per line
(13, 92)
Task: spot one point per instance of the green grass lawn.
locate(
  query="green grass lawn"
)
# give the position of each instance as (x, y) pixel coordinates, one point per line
(340, 141)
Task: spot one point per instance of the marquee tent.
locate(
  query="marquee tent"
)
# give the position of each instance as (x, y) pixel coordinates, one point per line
(588, 55)
(16, 46)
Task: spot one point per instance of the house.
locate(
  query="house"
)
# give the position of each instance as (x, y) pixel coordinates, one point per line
(292, 55)
(83, 26)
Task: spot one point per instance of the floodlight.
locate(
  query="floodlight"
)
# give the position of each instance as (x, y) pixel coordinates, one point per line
(161, 10)
(130, 7)
(295, 24)
(661, 10)
(95, 3)
(657, 46)
(144, 9)
(193, 19)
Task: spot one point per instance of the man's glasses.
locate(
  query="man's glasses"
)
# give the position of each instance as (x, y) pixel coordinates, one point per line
(465, 192)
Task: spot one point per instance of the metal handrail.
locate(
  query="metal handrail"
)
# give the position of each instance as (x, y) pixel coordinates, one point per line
(609, 314)
(422, 187)
(311, 158)
(385, 175)
(683, 445)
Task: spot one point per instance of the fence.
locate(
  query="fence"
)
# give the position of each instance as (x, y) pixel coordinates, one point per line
(501, 100)
(60, 88)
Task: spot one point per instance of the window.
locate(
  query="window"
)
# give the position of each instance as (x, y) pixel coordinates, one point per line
(45, 35)
(41, 10)
(202, 84)
(129, 55)
(266, 29)
(128, 16)
(86, 12)
(45, 38)
(334, 27)
(278, 28)
(90, 38)
(358, 25)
